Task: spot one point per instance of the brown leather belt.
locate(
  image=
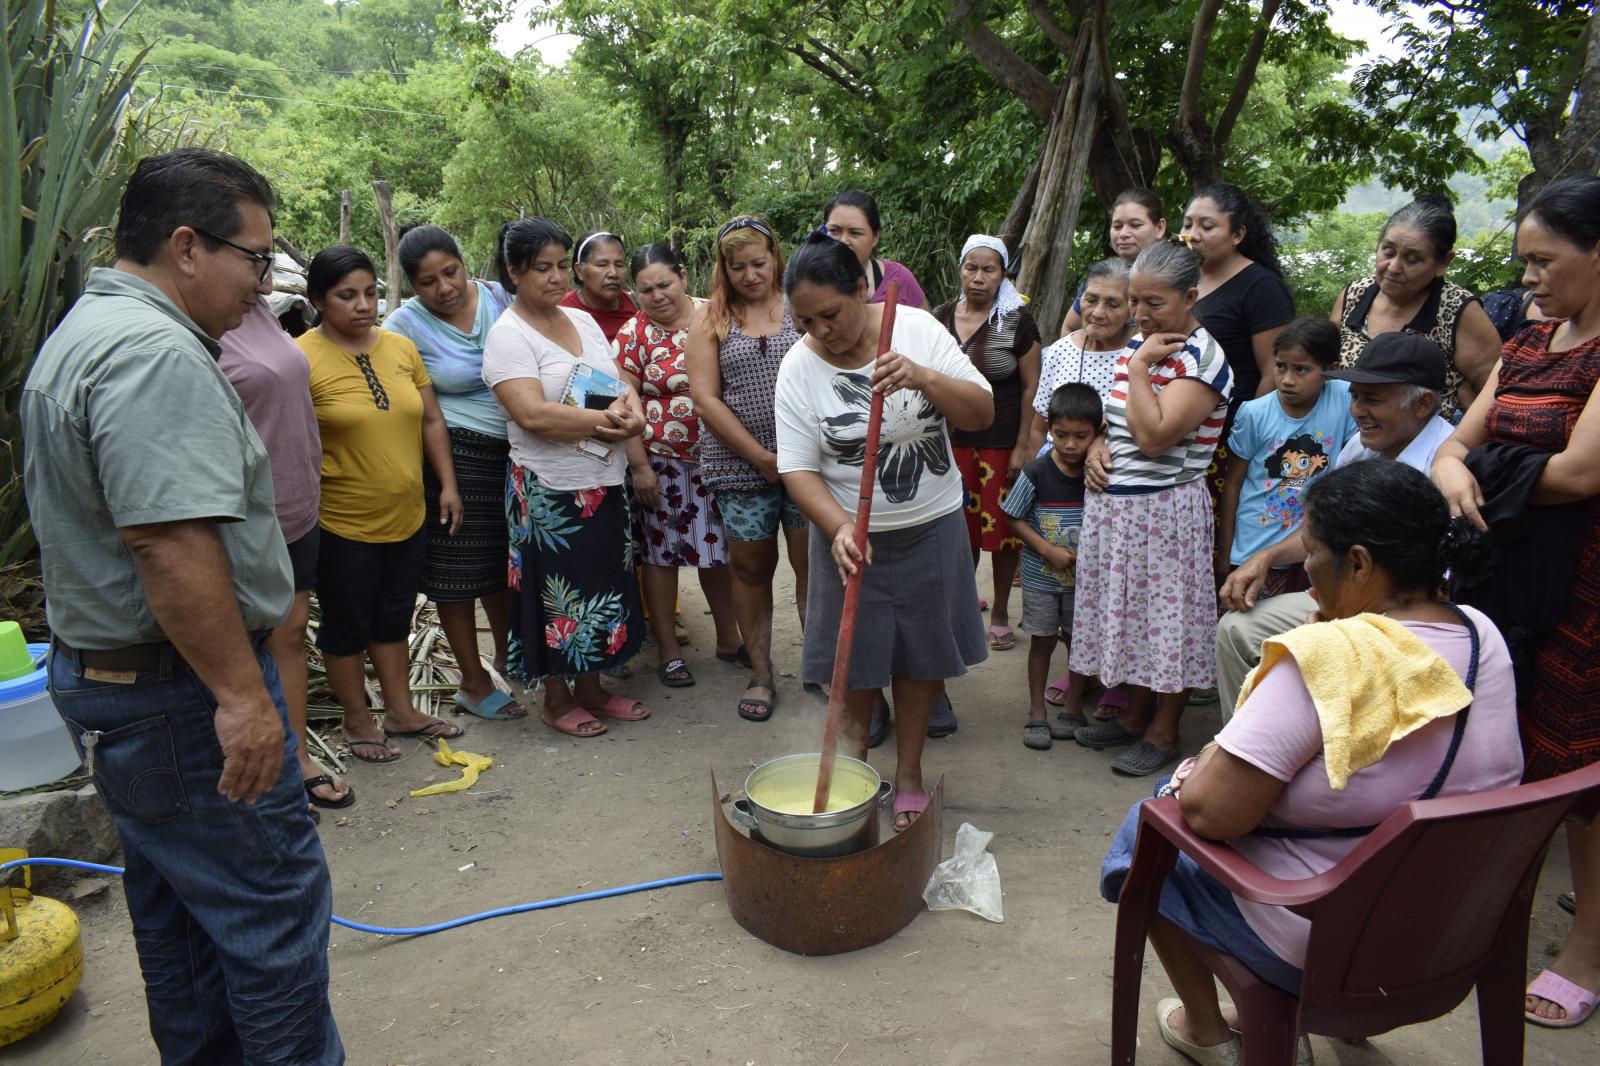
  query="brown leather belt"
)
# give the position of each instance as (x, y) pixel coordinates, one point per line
(128, 657)
(132, 656)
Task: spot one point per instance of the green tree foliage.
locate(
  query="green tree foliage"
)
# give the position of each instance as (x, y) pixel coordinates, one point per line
(1334, 250)
(1529, 67)
(538, 144)
(68, 136)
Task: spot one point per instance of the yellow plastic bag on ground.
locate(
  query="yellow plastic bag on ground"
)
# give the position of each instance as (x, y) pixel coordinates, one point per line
(472, 765)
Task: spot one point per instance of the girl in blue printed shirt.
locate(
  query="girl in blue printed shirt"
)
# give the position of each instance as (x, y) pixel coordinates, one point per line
(1280, 443)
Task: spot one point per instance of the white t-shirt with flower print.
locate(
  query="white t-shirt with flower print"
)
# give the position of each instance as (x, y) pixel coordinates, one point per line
(822, 427)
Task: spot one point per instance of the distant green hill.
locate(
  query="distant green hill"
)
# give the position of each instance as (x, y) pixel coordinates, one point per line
(1475, 211)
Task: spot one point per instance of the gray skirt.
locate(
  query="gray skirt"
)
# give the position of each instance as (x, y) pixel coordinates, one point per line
(918, 616)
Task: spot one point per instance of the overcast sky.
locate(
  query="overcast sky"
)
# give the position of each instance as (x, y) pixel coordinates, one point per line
(1349, 18)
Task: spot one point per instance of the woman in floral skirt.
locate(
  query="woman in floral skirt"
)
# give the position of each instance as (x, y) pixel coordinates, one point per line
(679, 520)
(1146, 609)
(571, 556)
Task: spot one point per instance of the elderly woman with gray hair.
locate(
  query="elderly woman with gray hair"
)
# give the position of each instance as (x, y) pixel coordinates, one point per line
(1407, 291)
(1146, 611)
(996, 332)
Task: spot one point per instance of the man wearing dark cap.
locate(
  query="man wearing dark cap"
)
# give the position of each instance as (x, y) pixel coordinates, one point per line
(1395, 385)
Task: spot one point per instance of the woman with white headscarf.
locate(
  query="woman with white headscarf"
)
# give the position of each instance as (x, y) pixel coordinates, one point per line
(998, 334)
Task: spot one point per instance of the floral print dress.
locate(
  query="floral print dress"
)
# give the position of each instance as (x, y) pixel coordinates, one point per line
(571, 572)
(685, 527)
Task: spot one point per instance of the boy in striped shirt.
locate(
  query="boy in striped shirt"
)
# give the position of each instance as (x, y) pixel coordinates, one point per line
(1045, 510)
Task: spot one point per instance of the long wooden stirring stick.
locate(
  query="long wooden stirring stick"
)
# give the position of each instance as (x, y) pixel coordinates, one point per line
(852, 587)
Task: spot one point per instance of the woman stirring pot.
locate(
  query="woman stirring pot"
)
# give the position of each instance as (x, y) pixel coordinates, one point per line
(919, 622)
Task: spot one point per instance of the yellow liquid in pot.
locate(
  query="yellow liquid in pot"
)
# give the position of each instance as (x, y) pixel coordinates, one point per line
(796, 792)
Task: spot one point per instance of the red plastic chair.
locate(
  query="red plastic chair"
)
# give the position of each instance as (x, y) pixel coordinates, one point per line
(1434, 901)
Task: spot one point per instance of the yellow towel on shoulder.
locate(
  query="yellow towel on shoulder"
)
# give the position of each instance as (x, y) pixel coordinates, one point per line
(1372, 680)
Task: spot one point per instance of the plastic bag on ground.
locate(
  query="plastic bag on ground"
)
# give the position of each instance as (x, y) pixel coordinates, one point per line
(969, 880)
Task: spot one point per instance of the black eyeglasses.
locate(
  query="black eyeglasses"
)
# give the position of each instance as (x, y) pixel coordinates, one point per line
(264, 260)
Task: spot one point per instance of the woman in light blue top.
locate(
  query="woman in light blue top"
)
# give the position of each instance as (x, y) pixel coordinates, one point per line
(448, 319)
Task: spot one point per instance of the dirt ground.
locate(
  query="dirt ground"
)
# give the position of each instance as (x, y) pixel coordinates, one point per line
(668, 977)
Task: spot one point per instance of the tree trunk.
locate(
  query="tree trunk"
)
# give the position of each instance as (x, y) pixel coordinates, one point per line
(674, 140)
(1047, 242)
(290, 250)
(1034, 251)
(1565, 144)
(1120, 157)
(344, 217)
(1021, 207)
(1054, 302)
(391, 247)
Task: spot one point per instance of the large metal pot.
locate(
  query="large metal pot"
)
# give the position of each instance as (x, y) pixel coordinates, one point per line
(819, 836)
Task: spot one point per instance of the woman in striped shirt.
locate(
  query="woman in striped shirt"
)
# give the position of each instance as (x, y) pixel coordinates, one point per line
(1147, 611)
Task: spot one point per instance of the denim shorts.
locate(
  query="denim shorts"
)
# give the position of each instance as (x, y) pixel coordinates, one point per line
(756, 514)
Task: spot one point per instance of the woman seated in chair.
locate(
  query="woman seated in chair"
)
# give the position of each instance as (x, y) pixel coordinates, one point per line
(1347, 719)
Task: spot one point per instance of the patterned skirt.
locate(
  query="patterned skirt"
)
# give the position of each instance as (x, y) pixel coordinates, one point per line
(685, 527)
(983, 475)
(1146, 611)
(471, 563)
(575, 600)
(1560, 711)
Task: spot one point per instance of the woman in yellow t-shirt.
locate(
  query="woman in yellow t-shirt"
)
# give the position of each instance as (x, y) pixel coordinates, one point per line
(378, 417)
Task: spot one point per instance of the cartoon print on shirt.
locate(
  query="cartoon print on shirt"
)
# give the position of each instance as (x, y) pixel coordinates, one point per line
(1289, 469)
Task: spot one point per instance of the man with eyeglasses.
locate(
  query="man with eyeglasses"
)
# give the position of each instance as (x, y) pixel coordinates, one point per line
(164, 570)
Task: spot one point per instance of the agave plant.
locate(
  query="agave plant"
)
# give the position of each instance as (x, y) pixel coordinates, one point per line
(69, 135)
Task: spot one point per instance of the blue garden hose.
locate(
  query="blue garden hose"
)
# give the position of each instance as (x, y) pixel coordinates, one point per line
(422, 930)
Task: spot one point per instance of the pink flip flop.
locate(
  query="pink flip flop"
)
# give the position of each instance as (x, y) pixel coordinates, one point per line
(909, 803)
(1111, 702)
(1002, 638)
(622, 709)
(1576, 1000)
(1058, 689)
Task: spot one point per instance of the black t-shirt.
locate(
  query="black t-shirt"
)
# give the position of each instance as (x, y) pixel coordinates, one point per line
(1252, 301)
(995, 350)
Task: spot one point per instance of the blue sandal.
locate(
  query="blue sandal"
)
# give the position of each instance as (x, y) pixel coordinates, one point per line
(493, 707)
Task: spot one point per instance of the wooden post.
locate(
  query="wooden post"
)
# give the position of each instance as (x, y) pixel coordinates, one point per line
(391, 246)
(290, 250)
(344, 217)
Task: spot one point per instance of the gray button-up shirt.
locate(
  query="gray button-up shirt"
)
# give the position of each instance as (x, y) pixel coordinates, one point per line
(127, 421)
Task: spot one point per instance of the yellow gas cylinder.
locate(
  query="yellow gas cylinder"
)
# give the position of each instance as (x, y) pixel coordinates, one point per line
(41, 957)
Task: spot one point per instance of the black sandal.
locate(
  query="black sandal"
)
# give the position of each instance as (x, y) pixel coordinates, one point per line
(881, 723)
(766, 705)
(674, 673)
(740, 656)
(322, 780)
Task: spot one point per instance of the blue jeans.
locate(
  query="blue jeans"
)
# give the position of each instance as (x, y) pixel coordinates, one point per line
(229, 902)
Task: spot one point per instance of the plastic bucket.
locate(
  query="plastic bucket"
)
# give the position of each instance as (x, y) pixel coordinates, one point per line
(35, 748)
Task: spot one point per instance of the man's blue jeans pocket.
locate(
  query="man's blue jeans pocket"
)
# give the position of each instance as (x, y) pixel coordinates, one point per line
(135, 767)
